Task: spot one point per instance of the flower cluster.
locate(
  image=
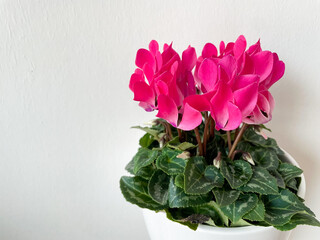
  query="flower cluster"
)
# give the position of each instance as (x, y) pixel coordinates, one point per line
(233, 85)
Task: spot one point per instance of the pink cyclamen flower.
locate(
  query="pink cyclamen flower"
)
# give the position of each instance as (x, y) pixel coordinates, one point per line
(237, 82)
(169, 80)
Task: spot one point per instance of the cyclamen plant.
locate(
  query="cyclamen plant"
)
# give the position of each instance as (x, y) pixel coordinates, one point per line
(205, 159)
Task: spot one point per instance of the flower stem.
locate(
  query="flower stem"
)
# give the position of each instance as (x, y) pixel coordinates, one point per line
(229, 140)
(211, 127)
(180, 135)
(205, 133)
(196, 131)
(237, 140)
(169, 131)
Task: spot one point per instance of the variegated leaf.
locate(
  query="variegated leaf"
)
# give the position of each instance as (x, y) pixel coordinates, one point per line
(280, 208)
(169, 163)
(143, 158)
(240, 207)
(289, 171)
(251, 136)
(261, 182)
(225, 196)
(299, 219)
(158, 187)
(145, 172)
(256, 214)
(179, 181)
(237, 172)
(178, 198)
(279, 178)
(198, 179)
(135, 191)
(265, 158)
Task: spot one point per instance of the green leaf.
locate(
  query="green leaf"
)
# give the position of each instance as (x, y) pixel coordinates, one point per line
(199, 179)
(292, 183)
(158, 187)
(144, 157)
(176, 144)
(237, 172)
(251, 136)
(289, 171)
(214, 176)
(279, 178)
(146, 140)
(152, 132)
(169, 163)
(256, 214)
(145, 172)
(240, 207)
(213, 211)
(280, 208)
(135, 191)
(178, 198)
(299, 219)
(240, 223)
(265, 158)
(179, 181)
(170, 216)
(261, 182)
(225, 196)
(264, 127)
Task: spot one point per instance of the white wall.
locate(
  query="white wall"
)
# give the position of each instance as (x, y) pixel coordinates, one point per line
(65, 106)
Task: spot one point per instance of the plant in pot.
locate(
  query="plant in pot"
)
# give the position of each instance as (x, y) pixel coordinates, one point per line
(206, 162)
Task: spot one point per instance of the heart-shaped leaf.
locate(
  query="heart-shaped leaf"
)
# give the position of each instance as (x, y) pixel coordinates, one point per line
(158, 187)
(244, 204)
(169, 163)
(261, 182)
(198, 179)
(237, 172)
(135, 191)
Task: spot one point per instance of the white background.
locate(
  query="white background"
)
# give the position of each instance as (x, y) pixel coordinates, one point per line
(65, 106)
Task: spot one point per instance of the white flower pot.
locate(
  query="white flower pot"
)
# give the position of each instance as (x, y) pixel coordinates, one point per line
(160, 228)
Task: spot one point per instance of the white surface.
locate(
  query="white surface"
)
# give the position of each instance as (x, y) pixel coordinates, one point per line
(160, 228)
(65, 106)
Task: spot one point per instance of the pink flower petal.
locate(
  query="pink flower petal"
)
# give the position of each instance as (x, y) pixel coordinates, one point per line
(191, 118)
(143, 92)
(278, 71)
(246, 98)
(189, 58)
(143, 57)
(239, 46)
(147, 107)
(198, 102)
(235, 117)
(229, 48)
(167, 110)
(209, 50)
(135, 77)
(263, 63)
(161, 88)
(175, 93)
(191, 84)
(244, 80)
(248, 65)
(154, 47)
(208, 74)
(219, 105)
(148, 72)
(255, 48)
(222, 47)
(228, 63)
